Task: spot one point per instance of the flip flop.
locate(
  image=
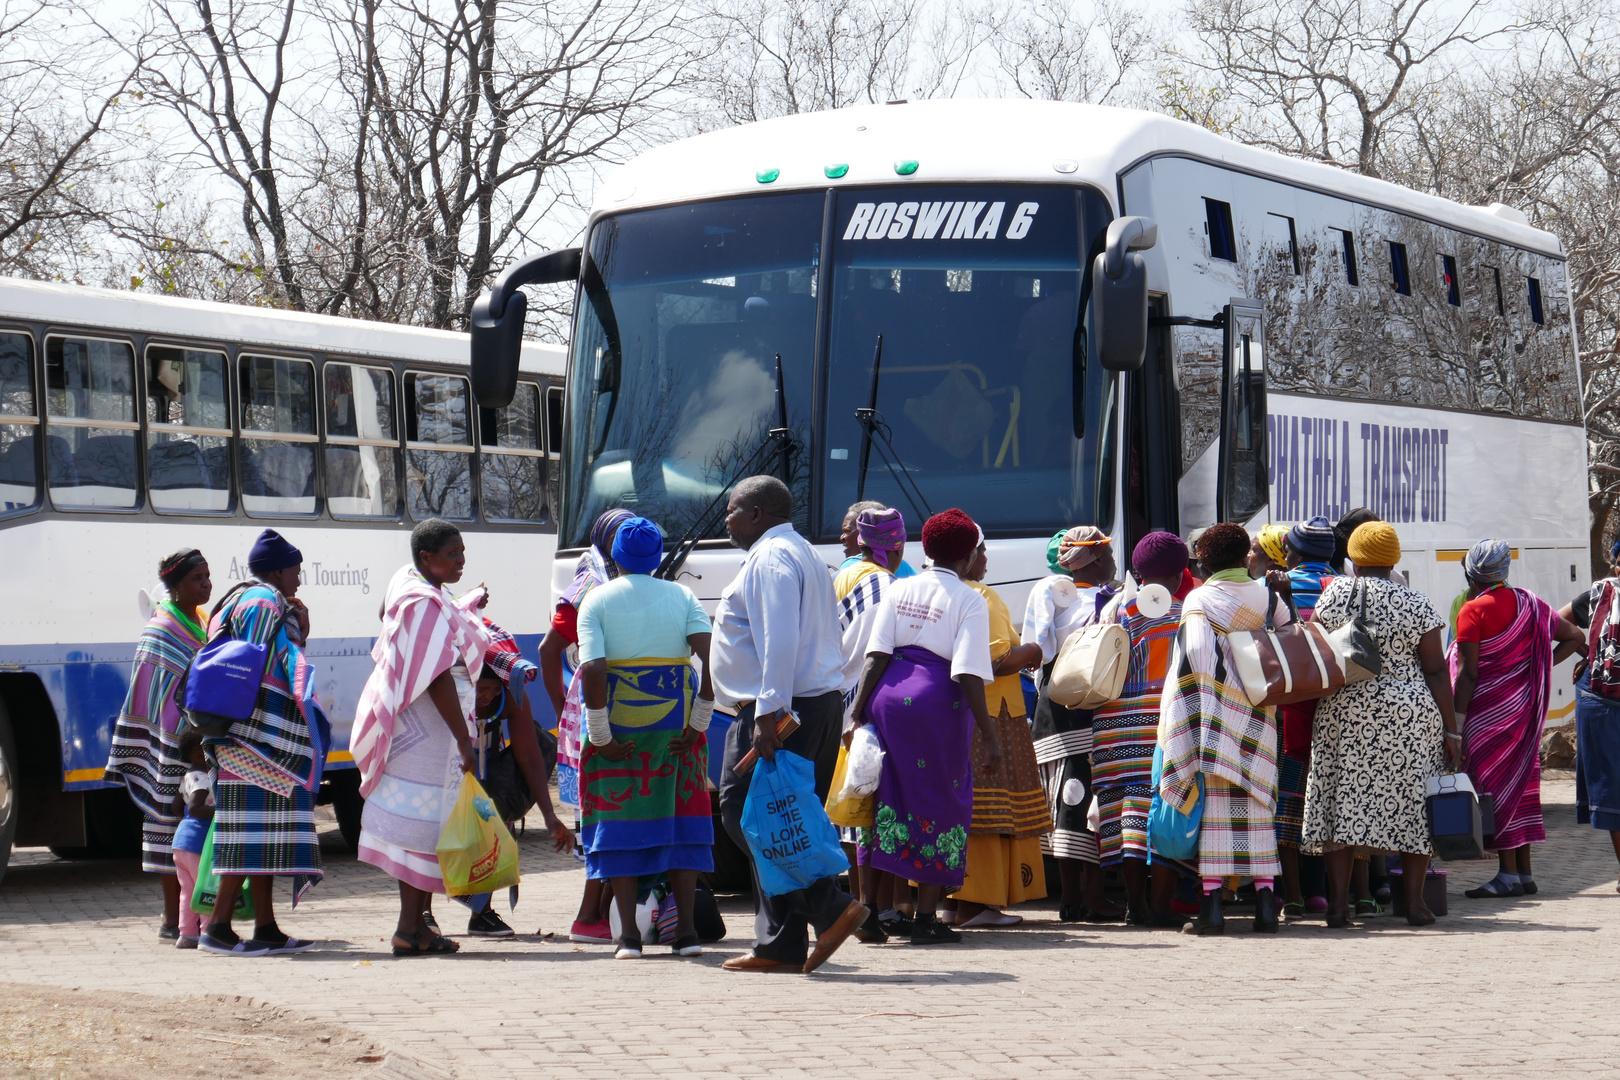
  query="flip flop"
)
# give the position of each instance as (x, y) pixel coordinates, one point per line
(436, 944)
(1368, 908)
(1294, 909)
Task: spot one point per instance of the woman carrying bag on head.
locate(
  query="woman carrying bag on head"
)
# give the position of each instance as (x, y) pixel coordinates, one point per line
(1375, 743)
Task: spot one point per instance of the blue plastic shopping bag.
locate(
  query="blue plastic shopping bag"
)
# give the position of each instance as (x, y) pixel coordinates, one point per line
(1172, 833)
(789, 834)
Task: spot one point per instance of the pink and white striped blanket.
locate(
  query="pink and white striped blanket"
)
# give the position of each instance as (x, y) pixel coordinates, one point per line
(425, 630)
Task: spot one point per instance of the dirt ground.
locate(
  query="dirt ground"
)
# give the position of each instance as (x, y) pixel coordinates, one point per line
(75, 1034)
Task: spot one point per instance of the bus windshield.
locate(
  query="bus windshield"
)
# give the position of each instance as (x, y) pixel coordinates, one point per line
(976, 290)
(673, 382)
(976, 293)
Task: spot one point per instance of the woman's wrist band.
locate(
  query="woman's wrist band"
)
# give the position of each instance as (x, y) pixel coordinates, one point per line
(702, 713)
(1454, 735)
(596, 722)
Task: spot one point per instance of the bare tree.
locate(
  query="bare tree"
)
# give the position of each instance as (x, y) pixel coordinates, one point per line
(63, 78)
(1324, 79)
(796, 56)
(1055, 50)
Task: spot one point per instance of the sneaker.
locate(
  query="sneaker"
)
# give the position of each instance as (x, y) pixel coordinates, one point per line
(488, 924)
(899, 926)
(687, 946)
(186, 941)
(932, 932)
(168, 933)
(224, 947)
(871, 931)
(629, 949)
(598, 933)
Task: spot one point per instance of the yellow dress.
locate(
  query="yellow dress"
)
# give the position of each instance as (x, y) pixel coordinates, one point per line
(1010, 814)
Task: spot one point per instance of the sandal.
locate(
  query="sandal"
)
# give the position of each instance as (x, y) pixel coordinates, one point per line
(1294, 909)
(1367, 908)
(436, 943)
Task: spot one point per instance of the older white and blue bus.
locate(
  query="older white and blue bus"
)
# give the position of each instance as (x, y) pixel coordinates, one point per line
(132, 425)
(1053, 314)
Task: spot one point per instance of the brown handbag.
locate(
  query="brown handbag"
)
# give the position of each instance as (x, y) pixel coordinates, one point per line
(1281, 665)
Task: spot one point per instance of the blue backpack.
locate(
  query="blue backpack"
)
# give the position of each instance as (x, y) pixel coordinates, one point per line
(222, 684)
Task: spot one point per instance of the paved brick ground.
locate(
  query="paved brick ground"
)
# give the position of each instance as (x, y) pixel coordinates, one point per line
(1504, 989)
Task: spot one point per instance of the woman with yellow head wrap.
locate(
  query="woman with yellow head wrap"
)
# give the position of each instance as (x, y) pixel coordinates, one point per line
(1269, 551)
(1377, 742)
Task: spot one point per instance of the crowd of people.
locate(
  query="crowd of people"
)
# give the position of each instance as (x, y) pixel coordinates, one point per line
(1308, 807)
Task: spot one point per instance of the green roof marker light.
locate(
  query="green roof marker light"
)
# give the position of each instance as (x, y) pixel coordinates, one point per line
(836, 172)
(767, 176)
(905, 168)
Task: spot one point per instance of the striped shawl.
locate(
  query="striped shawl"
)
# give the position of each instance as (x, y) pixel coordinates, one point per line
(1206, 723)
(145, 741)
(425, 631)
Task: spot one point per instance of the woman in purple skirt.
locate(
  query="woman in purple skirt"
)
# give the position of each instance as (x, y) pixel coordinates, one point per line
(923, 691)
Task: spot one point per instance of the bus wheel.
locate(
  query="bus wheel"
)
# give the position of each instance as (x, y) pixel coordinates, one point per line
(347, 804)
(8, 790)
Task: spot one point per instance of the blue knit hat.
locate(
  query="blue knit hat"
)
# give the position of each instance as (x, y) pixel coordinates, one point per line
(638, 547)
(271, 552)
(1314, 538)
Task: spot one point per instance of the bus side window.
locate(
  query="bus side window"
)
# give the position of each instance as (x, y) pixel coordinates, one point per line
(1244, 486)
(1448, 278)
(90, 409)
(188, 430)
(19, 425)
(511, 480)
(1218, 224)
(554, 422)
(362, 441)
(1347, 242)
(438, 446)
(278, 435)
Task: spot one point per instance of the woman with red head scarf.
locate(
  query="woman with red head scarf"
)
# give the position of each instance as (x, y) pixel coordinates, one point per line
(923, 690)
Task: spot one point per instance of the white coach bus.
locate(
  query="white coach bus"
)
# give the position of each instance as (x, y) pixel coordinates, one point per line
(132, 425)
(1086, 315)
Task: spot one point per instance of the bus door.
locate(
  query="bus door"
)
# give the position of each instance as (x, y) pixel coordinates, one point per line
(1244, 485)
(1153, 439)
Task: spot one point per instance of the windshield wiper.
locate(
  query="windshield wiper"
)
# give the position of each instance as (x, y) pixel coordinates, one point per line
(779, 440)
(875, 432)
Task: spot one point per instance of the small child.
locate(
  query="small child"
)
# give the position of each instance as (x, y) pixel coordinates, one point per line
(197, 796)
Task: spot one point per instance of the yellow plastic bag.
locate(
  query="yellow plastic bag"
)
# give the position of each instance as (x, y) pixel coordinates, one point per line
(850, 813)
(476, 851)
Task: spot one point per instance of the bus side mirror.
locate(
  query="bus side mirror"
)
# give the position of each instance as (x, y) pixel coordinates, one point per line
(497, 323)
(1118, 309)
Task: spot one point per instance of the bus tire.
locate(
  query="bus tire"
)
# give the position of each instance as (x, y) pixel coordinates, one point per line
(348, 804)
(10, 808)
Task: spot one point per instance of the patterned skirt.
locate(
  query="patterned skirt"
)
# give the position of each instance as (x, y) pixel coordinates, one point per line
(420, 781)
(258, 832)
(925, 791)
(1063, 748)
(1010, 801)
(1122, 815)
(1238, 837)
(1290, 800)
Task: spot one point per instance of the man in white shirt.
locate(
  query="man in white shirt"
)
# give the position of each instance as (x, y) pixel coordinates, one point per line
(776, 648)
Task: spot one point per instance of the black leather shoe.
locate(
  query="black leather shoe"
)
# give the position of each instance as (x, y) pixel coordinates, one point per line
(1067, 913)
(1211, 919)
(1265, 911)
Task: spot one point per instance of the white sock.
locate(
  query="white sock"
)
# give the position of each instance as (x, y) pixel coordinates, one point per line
(889, 914)
(1506, 878)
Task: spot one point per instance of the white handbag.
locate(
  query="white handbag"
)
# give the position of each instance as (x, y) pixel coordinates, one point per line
(1091, 667)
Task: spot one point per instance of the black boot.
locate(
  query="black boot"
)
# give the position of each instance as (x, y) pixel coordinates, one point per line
(1265, 911)
(1211, 919)
(871, 931)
